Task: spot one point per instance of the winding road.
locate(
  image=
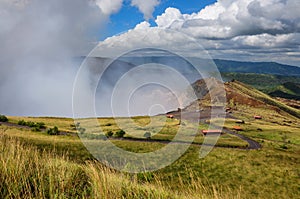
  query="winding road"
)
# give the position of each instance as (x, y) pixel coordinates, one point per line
(205, 115)
(252, 144)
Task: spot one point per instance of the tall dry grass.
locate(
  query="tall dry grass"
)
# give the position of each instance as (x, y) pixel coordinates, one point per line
(26, 172)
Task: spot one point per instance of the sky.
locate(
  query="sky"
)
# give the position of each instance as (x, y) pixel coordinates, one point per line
(246, 30)
(129, 16)
(40, 39)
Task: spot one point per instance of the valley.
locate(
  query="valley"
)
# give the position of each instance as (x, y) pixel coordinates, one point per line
(230, 170)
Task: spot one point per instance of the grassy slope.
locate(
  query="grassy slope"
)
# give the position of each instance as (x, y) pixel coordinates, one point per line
(272, 172)
(28, 172)
(277, 85)
(249, 91)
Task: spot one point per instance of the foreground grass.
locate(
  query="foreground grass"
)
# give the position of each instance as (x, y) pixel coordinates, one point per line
(28, 173)
(271, 172)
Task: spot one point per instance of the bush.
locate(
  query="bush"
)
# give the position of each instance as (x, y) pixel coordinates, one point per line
(77, 125)
(3, 118)
(53, 131)
(109, 134)
(81, 130)
(147, 135)
(39, 125)
(36, 129)
(30, 124)
(120, 133)
(22, 122)
(73, 127)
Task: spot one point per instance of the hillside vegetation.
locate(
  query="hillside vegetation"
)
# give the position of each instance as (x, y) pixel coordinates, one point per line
(274, 85)
(260, 97)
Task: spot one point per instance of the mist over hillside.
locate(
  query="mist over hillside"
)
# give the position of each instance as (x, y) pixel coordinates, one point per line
(224, 66)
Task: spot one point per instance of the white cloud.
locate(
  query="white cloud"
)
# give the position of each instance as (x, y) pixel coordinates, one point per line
(266, 40)
(227, 19)
(170, 16)
(109, 7)
(146, 7)
(231, 29)
(142, 25)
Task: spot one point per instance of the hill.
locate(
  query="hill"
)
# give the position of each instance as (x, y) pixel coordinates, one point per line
(39, 165)
(224, 66)
(288, 90)
(241, 94)
(274, 85)
(274, 68)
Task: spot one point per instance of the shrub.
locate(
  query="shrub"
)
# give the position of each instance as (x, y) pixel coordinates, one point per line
(77, 124)
(53, 131)
(3, 118)
(81, 130)
(120, 133)
(40, 125)
(36, 129)
(73, 127)
(109, 134)
(283, 146)
(147, 135)
(22, 122)
(30, 124)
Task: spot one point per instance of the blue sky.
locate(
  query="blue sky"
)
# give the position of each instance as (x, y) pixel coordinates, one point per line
(128, 17)
(245, 30)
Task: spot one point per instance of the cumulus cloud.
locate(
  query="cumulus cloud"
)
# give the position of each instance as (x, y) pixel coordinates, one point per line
(227, 19)
(39, 41)
(170, 16)
(146, 7)
(142, 25)
(227, 26)
(109, 7)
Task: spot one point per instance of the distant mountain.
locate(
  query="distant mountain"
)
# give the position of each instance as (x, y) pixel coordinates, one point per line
(224, 66)
(257, 67)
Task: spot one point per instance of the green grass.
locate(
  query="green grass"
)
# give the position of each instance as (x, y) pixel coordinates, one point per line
(263, 82)
(26, 172)
(247, 90)
(271, 172)
(274, 85)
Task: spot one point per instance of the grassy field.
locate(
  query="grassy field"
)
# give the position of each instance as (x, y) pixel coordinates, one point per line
(271, 172)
